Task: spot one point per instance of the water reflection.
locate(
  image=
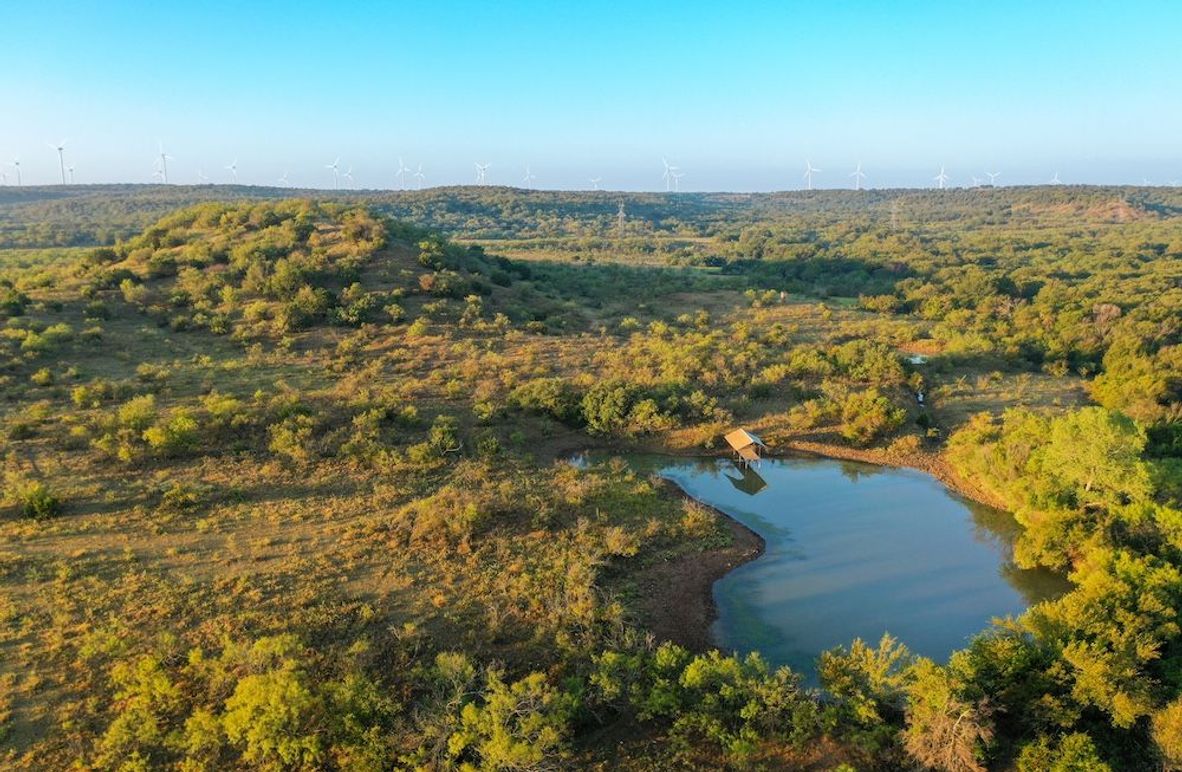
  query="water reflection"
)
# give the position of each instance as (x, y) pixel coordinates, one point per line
(749, 481)
(854, 471)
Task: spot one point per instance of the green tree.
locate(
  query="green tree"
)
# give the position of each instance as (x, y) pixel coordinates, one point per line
(1072, 753)
(522, 725)
(867, 415)
(869, 686)
(606, 406)
(1113, 628)
(1093, 458)
(275, 715)
(1167, 734)
(946, 730)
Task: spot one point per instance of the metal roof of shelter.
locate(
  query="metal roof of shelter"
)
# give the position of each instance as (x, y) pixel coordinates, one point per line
(741, 438)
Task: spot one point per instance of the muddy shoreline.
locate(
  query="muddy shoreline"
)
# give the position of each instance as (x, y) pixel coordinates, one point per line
(677, 596)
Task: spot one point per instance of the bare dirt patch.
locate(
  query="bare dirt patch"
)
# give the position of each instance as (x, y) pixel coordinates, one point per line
(677, 598)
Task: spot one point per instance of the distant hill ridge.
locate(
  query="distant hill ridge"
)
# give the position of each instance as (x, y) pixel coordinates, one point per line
(93, 215)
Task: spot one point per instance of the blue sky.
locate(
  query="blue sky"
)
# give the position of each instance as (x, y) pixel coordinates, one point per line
(736, 94)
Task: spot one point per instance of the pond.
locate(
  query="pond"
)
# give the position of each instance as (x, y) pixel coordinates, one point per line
(854, 551)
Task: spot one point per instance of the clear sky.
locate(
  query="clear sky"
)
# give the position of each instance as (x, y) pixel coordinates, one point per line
(737, 94)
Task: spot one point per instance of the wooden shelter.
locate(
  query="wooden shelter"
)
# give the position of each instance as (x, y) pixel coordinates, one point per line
(747, 446)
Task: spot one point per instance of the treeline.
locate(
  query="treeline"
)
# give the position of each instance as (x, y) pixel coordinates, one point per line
(1105, 660)
(95, 215)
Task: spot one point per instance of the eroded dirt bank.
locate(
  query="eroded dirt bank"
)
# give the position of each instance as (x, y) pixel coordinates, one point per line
(677, 596)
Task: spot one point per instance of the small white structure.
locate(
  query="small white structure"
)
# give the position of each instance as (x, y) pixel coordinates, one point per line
(917, 359)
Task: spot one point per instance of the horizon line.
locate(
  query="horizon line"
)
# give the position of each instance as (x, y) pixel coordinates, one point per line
(605, 192)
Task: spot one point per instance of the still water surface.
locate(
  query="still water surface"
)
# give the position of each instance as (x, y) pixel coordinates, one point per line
(854, 551)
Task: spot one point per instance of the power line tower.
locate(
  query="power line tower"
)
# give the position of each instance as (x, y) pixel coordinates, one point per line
(620, 217)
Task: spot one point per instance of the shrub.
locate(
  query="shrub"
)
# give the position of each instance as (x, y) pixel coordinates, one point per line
(396, 313)
(49, 339)
(946, 729)
(34, 498)
(522, 725)
(553, 396)
(292, 437)
(698, 521)
(867, 415)
(96, 309)
(12, 301)
(606, 405)
(175, 436)
(905, 446)
(309, 305)
(180, 497)
(137, 413)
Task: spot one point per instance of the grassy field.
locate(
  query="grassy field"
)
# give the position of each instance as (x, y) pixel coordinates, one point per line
(295, 445)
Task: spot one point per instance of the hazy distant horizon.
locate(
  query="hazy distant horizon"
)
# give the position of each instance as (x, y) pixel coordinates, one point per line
(737, 97)
(637, 184)
(329, 191)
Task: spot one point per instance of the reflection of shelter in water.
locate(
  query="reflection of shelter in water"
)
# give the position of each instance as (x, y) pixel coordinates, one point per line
(750, 482)
(746, 445)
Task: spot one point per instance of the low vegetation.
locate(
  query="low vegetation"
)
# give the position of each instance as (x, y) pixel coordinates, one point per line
(288, 483)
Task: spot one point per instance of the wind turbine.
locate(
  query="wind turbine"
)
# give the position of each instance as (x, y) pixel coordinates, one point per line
(1055, 179)
(992, 177)
(3, 177)
(336, 173)
(70, 171)
(60, 147)
(481, 171)
(201, 178)
(419, 176)
(283, 181)
(976, 182)
(809, 171)
(401, 174)
(677, 181)
(941, 178)
(595, 182)
(233, 170)
(528, 178)
(349, 176)
(163, 158)
(669, 174)
(17, 163)
(858, 177)
(158, 174)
